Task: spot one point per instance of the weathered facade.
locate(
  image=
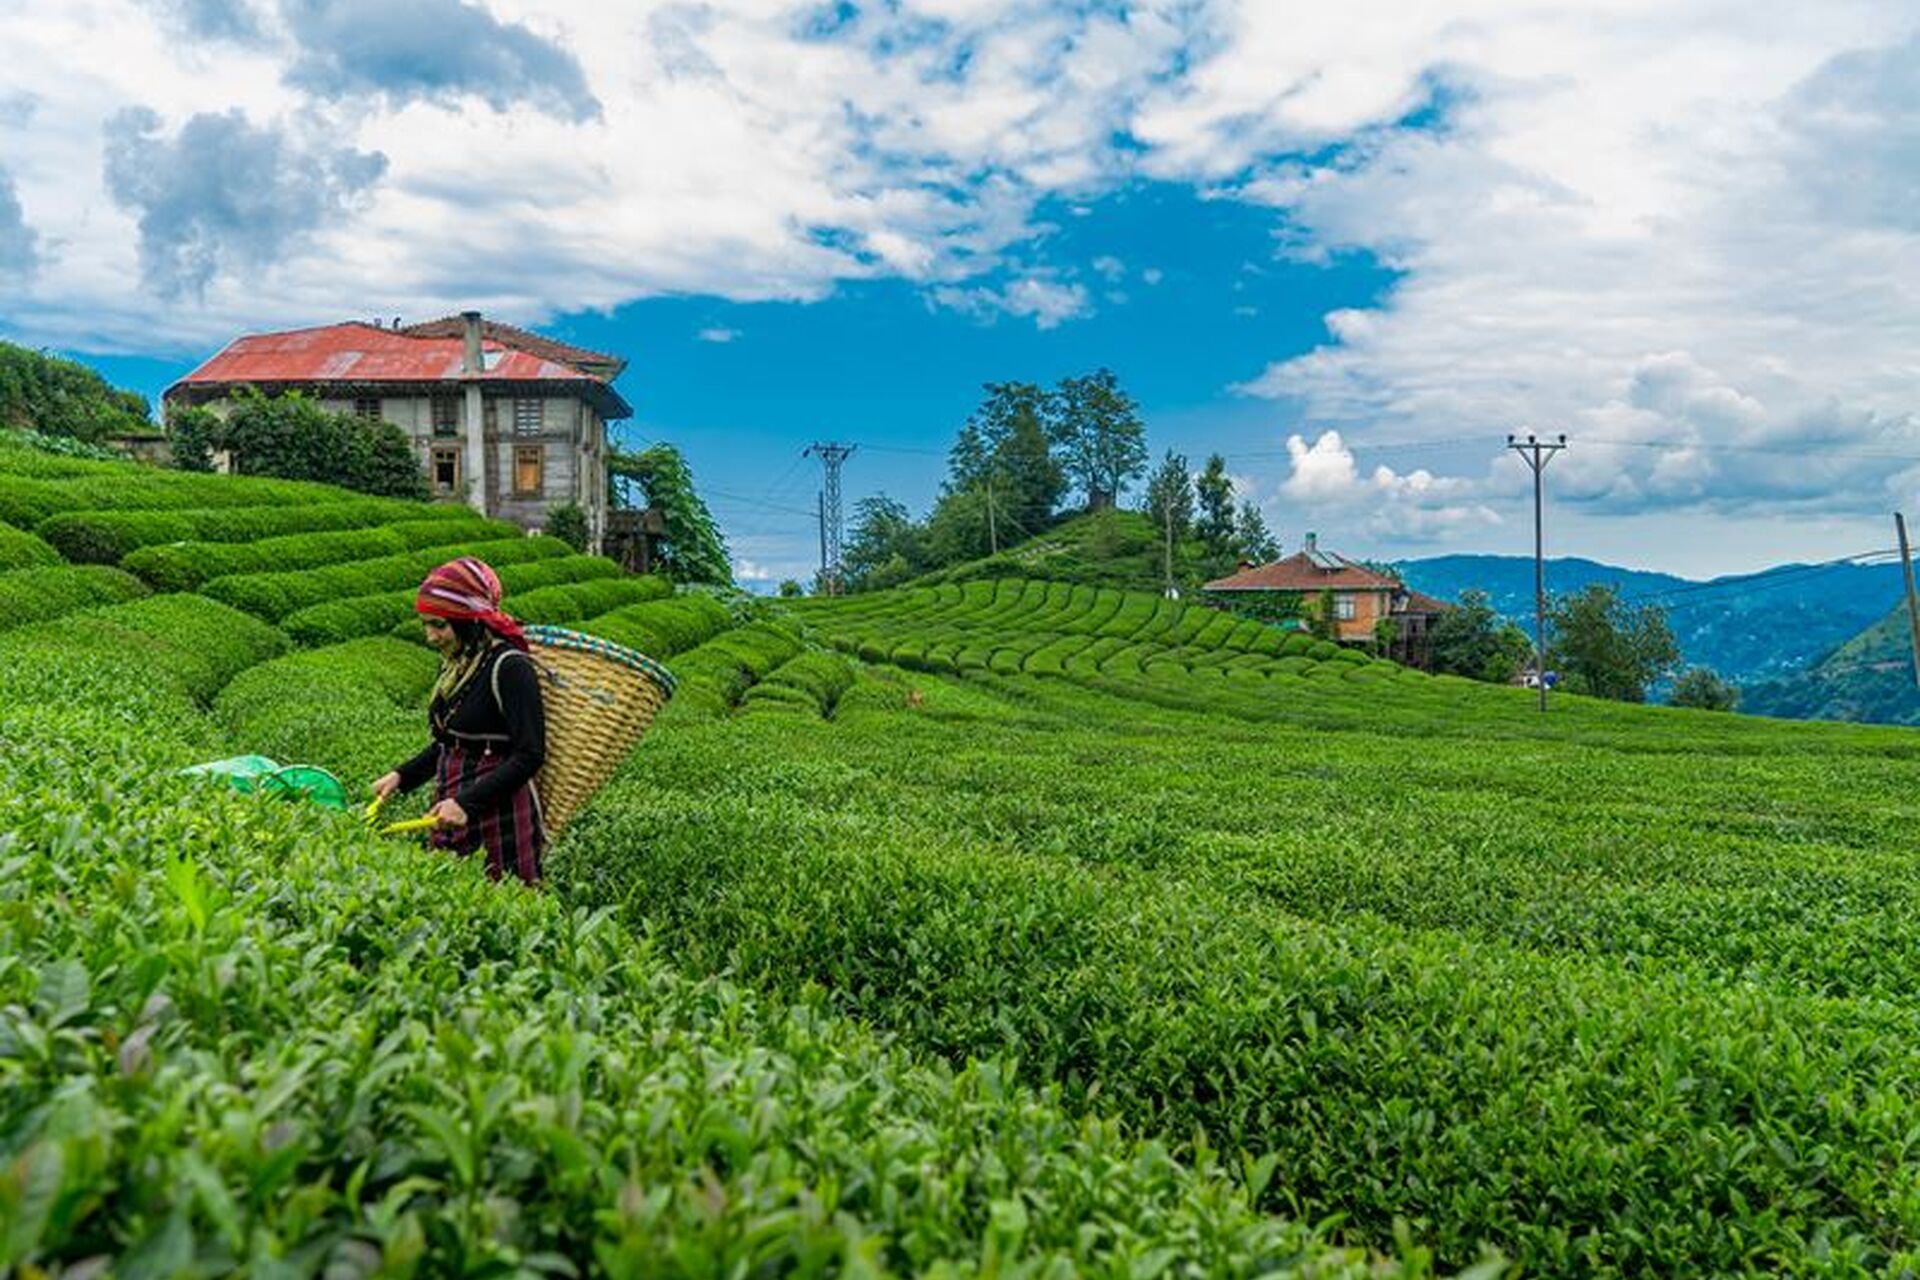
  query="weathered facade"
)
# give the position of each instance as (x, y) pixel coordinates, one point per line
(509, 421)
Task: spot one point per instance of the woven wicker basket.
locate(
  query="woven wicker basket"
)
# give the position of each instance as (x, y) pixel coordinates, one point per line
(600, 697)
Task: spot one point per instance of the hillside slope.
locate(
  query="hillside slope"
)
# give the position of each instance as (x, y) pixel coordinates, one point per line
(1748, 628)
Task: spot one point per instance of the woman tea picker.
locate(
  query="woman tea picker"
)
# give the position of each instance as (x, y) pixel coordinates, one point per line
(489, 725)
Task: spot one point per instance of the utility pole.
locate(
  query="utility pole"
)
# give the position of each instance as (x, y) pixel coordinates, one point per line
(1538, 453)
(993, 531)
(1167, 511)
(831, 456)
(1913, 609)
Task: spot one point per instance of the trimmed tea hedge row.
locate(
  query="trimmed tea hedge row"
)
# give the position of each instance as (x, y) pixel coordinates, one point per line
(25, 500)
(21, 550)
(33, 595)
(185, 566)
(107, 537)
(662, 628)
(392, 611)
(713, 677)
(815, 680)
(275, 595)
(187, 644)
(569, 603)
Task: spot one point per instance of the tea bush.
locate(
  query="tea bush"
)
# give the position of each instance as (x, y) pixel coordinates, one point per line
(184, 566)
(21, 550)
(392, 611)
(31, 595)
(275, 595)
(107, 537)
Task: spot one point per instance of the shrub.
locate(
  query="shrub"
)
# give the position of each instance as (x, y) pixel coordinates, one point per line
(275, 595)
(185, 566)
(568, 523)
(21, 550)
(335, 620)
(106, 537)
(293, 437)
(33, 595)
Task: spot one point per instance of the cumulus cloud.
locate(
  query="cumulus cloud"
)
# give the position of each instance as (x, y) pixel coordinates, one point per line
(432, 50)
(225, 194)
(1325, 478)
(233, 20)
(1049, 303)
(1683, 243)
(19, 243)
(718, 334)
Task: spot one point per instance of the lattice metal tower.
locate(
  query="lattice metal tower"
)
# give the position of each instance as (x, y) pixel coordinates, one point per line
(831, 456)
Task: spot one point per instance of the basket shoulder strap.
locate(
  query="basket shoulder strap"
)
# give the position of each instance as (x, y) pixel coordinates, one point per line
(493, 678)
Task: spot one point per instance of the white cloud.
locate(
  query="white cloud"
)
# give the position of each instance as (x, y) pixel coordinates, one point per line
(1325, 479)
(1049, 302)
(718, 334)
(1683, 231)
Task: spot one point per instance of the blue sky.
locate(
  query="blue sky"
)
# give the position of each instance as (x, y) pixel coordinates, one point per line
(1350, 247)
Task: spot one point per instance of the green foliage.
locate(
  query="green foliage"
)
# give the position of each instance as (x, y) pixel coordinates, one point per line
(275, 595)
(1254, 540)
(691, 549)
(106, 537)
(25, 500)
(292, 437)
(1471, 640)
(332, 621)
(884, 548)
(21, 550)
(1169, 502)
(1213, 495)
(1097, 436)
(184, 566)
(33, 595)
(1700, 688)
(70, 447)
(790, 589)
(568, 523)
(58, 397)
(1607, 648)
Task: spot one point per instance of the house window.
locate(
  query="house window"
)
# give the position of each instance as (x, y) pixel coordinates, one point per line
(367, 407)
(1343, 607)
(490, 416)
(446, 469)
(526, 417)
(446, 416)
(529, 461)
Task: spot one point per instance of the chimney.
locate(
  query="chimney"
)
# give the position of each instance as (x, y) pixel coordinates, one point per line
(472, 361)
(1311, 548)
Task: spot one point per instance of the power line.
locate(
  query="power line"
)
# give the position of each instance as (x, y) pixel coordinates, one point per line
(1766, 577)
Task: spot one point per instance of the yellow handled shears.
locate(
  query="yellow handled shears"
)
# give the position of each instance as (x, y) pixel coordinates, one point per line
(398, 828)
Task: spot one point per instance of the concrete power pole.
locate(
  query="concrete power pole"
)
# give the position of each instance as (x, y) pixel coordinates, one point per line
(1913, 609)
(831, 456)
(1538, 453)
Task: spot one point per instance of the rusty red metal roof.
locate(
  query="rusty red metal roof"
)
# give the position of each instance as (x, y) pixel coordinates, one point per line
(1300, 571)
(359, 353)
(1421, 602)
(521, 340)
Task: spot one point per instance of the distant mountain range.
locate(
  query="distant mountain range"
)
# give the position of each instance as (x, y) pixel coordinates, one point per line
(1778, 623)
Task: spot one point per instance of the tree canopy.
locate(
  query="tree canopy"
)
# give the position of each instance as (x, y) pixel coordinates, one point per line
(1606, 647)
(59, 397)
(1471, 640)
(691, 548)
(292, 437)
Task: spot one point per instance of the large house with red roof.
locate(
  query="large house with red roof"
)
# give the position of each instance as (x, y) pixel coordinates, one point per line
(1361, 596)
(505, 419)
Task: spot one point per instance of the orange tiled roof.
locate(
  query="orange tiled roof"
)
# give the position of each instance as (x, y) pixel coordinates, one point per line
(1304, 571)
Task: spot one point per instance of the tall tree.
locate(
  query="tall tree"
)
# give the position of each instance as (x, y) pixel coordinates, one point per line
(885, 546)
(1214, 494)
(1002, 462)
(1170, 496)
(1101, 441)
(1471, 640)
(1252, 537)
(691, 548)
(1605, 647)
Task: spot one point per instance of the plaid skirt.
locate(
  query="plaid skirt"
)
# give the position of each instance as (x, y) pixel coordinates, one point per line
(511, 831)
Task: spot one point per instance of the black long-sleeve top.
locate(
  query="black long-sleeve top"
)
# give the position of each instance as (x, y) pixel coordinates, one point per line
(513, 724)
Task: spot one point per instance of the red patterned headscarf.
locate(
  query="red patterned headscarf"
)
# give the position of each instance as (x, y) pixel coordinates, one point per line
(468, 589)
